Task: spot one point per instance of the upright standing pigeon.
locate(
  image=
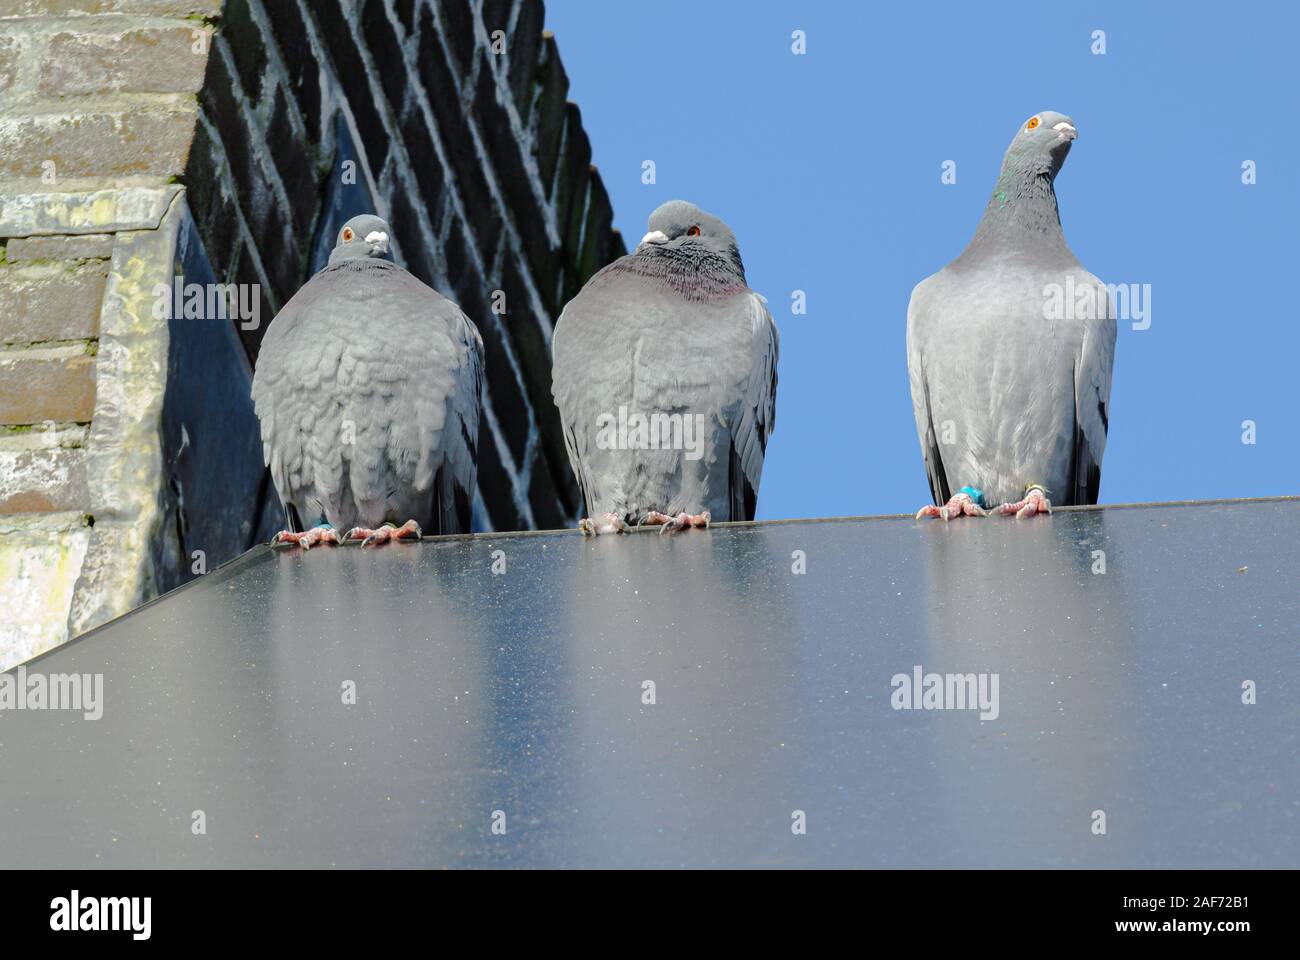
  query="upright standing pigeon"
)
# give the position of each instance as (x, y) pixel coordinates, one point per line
(1010, 349)
(665, 378)
(367, 386)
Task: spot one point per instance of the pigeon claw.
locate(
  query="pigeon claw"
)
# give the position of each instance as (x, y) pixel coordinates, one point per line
(308, 538)
(407, 531)
(1035, 501)
(961, 504)
(680, 522)
(609, 523)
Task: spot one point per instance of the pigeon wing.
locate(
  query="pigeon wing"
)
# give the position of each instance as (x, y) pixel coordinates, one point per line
(1092, 379)
(917, 378)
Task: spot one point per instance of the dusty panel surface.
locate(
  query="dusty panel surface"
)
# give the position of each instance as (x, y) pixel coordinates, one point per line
(524, 692)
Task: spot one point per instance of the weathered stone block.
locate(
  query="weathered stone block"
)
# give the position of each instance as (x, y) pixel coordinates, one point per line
(51, 301)
(51, 388)
(42, 480)
(153, 60)
(11, 49)
(90, 246)
(95, 211)
(152, 8)
(40, 560)
(106, 145)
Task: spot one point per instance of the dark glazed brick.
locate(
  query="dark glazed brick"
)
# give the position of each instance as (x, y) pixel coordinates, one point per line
(351, 72)
(551, 110)
(496, 15)
(295, 167)
(571, 184)
(595, 245)
(507, 401)
(245, 272)
(549, 511)
(534, 358)
(424, 164)
(218, 102)
(299, 60)
(473, 297)
(525, 44)
(457, 20)
(336, 32)
(280, 255)
(212, 210)
(406, 229)
(405, 10)
(453, 130)
(385, 50)
(247, 45)
(494, 484)
(503, 147)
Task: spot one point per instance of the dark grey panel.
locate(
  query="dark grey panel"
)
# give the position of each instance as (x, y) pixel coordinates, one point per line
(522, 692)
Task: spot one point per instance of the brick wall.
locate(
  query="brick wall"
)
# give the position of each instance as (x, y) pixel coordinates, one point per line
(459, 135)
(227, 141)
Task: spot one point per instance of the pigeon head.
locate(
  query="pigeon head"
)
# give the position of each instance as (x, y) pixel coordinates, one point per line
(683, 236)
(360, 238)
(1041, 144)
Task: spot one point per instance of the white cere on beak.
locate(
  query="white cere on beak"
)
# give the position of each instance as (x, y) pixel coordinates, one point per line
(654, 236)
(378, 239)
(1066, 130)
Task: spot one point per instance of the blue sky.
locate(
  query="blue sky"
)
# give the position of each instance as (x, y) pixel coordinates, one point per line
(827, 166)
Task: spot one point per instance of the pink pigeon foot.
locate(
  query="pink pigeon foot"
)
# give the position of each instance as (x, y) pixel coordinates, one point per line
(308, 538)
(407, 531)
(679, 522)
(1035, 501)
(609, 523)
(961, 504)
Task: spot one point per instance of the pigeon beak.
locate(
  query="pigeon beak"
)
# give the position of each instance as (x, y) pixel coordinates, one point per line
(654, 236)
(379, 240)
(1066, 131)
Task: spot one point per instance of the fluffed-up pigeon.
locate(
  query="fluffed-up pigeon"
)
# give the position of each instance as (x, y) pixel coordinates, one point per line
(1010, 349)
(368, 386)
(665, 379)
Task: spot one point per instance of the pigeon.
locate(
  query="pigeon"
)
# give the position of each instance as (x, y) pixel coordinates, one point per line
(665, 379)
(368, 386)
(1010, 349)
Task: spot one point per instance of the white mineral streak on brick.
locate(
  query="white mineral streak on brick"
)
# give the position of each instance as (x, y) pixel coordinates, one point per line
(21, 472)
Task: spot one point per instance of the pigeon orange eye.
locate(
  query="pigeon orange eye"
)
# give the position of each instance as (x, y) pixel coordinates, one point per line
(348, 234)
(693, 232)
(1033, 122)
